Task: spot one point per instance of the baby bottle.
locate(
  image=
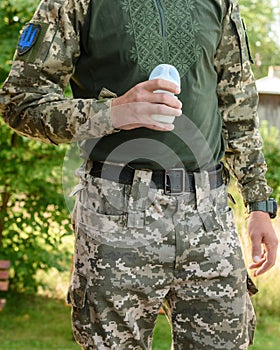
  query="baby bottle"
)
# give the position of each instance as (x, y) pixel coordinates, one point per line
(167, 72)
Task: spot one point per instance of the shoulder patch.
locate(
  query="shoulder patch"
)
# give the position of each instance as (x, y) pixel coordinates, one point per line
(28, 38)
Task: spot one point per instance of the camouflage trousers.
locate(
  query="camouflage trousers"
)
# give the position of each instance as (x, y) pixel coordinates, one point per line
(136, 247)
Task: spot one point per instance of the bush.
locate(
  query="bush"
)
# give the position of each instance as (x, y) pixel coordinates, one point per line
(33, 215)
(271, 149)
(13, 15)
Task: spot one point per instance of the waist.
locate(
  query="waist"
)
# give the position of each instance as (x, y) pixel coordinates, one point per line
(173, 181)
(144, 148)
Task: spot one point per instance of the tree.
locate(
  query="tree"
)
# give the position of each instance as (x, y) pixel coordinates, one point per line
(13, 14)
(33, 214)
(261, 18)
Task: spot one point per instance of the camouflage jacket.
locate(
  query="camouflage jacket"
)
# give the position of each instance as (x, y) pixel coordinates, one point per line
(82, 42)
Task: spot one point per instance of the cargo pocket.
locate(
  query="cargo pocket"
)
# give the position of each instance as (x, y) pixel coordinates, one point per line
(251, 287)
(81, 320)
(77, 291)
(77, 189)
(251, 317)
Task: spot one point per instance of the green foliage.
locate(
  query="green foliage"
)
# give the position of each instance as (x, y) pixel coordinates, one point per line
(261, 18)
(259, 15)
(33, 215)
(13, 14)
(271, 149)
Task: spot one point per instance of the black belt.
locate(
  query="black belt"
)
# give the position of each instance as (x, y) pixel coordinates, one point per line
(174, 181)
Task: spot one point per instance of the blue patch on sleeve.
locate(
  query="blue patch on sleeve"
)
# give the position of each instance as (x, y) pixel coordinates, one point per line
(28, 38)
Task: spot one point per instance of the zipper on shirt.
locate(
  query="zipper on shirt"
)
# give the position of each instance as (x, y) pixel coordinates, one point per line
(163, 27)
(162, 18)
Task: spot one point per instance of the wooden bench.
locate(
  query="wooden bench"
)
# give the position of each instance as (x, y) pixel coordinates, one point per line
(4, 280)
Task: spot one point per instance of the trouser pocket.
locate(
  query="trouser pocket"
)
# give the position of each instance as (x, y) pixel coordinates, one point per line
(252, 290)
(251, 320)
(77, 290)
(81, 320)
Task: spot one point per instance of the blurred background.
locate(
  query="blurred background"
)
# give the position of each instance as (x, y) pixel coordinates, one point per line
(35, 230)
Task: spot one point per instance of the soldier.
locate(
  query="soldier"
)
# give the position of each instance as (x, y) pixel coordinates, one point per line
(152, 221)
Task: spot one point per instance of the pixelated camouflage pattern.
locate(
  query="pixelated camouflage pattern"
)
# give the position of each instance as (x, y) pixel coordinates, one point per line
(136, 246)
(33, 93)
(238, 105)
(118, 288)
(32, 101)
(130, 211)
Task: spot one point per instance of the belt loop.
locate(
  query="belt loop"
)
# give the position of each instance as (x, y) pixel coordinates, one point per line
(202, 189)
(137, 201)
(204, 206)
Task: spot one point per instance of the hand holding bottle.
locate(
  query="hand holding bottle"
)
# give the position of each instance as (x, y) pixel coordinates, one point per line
(169, 73)
(139, 105)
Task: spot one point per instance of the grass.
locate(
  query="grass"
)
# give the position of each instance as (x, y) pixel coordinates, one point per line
(267, 334)
(42, 323)
(162, 334)
(35, 322)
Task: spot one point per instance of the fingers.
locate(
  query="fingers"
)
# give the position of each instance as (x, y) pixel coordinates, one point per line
(145, 92)
(135, 108)
(264, 243)
(162, 92)
(154, 125)
(166, 99)
(160, 84)
(256, 248)
(139, 114)
(163, 109)
(265, 260)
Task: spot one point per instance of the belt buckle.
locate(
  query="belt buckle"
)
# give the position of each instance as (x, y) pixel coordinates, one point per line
(174, 181)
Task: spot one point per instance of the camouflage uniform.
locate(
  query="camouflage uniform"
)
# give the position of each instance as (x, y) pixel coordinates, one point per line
(136, 245)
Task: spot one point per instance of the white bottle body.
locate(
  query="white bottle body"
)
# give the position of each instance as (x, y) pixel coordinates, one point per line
(170, 73)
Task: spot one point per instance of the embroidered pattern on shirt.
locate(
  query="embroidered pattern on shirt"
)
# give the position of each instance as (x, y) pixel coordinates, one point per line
(164, 32)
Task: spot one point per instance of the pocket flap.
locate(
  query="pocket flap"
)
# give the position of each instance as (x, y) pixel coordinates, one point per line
(242, 35)
(77, 290)
(252, 288)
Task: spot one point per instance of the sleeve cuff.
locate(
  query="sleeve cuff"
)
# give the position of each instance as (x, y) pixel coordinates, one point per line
(99, 122)
(256, 192)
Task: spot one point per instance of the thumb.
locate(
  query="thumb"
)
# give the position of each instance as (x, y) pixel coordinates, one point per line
(256, 248)
(256, 258)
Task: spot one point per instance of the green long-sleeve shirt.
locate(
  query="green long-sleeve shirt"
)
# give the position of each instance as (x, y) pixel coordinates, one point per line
(115, 45)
